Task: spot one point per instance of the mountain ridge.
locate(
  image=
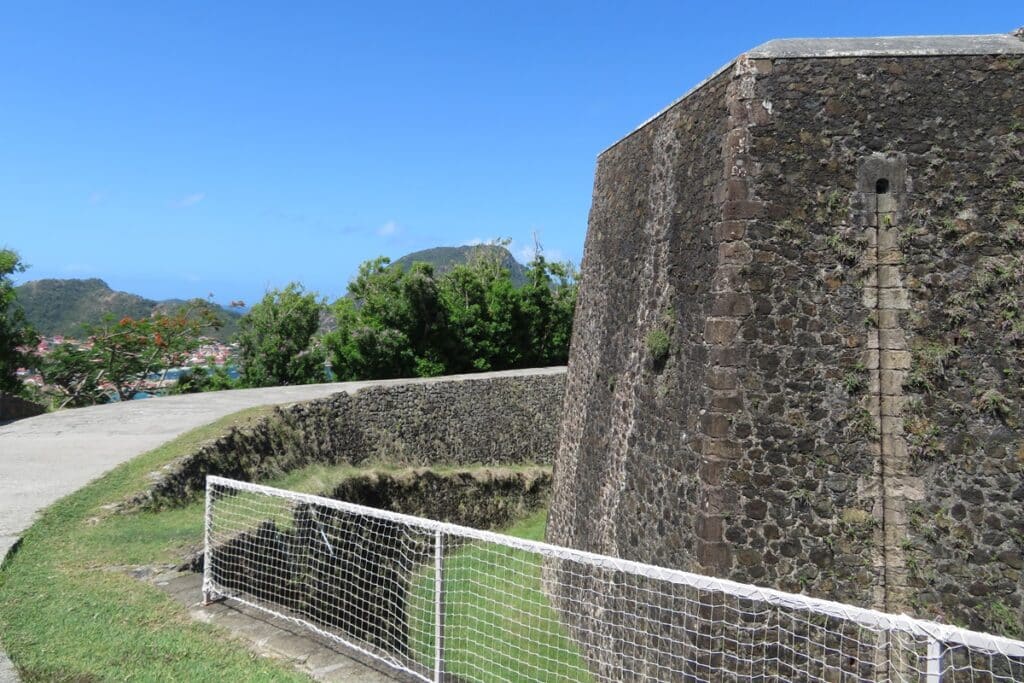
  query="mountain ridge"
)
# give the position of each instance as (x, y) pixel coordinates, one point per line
(55, 306)
(444, 259)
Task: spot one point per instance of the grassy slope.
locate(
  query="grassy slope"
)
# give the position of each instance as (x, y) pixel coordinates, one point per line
(66, 615)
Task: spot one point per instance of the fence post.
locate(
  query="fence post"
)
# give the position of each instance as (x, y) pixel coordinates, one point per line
(438, 608)
(207, 520)
(934, 673)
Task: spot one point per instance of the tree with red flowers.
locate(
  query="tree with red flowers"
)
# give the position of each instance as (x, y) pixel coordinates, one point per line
(119, 356)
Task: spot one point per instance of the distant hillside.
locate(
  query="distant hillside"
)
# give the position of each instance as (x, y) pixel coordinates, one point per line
(65, 306)
(445, 258)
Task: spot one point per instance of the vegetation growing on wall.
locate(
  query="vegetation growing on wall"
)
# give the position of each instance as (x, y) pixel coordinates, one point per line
(658, 344)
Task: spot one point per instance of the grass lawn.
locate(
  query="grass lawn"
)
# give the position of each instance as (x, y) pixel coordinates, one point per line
(499, 625)
(67, 613)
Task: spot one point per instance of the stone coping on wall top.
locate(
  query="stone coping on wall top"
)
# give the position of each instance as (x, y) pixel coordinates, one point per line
(889, 46)
(895, 46)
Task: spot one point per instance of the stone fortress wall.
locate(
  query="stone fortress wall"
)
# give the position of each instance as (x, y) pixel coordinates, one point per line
(798, 354)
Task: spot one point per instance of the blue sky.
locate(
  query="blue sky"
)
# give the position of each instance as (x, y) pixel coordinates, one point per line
(186, 148)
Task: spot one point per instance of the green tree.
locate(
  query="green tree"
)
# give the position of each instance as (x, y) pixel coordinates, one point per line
(197, 379)
(72, 377)
(277, 339)
(404, 323)
(391, 324)
(14, 330)
(547, 304)
(483, 311)
(120, 355)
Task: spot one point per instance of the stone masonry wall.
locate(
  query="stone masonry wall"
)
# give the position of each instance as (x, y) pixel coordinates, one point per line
(627, 478)
(904, 179)
(834, 251)
(17, 408)
(491, 421)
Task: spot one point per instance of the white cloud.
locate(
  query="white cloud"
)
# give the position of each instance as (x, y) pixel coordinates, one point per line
(96, 197)
(189, 200)
(388, 229)
(524, 253)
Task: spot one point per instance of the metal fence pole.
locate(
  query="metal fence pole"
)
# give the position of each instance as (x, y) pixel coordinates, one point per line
(438, 608)
(208, 595)
(934, 672)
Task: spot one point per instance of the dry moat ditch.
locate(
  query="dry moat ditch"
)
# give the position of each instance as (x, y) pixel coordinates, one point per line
(363, 577)
(483, 497)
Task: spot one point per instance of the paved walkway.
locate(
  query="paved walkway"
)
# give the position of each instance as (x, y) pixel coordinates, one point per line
(44, 458)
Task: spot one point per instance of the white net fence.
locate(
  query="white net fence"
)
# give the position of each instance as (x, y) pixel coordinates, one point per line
(448, 603)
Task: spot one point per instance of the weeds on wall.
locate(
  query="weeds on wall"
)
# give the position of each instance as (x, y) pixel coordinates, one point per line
(845, 249)
(658, 344)
(923, 438)
(930, 361)
(1003, 618)
(856, 380)
(992, 402)
(862, 423)
(659, 340)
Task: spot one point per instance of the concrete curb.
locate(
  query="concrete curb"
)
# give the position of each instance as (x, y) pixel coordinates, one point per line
(7, 672)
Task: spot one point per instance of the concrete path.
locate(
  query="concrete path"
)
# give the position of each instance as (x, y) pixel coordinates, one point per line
(44, 458)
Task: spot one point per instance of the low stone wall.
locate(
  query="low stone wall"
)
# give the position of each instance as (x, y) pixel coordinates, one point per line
(16, 408)
(488, 421)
